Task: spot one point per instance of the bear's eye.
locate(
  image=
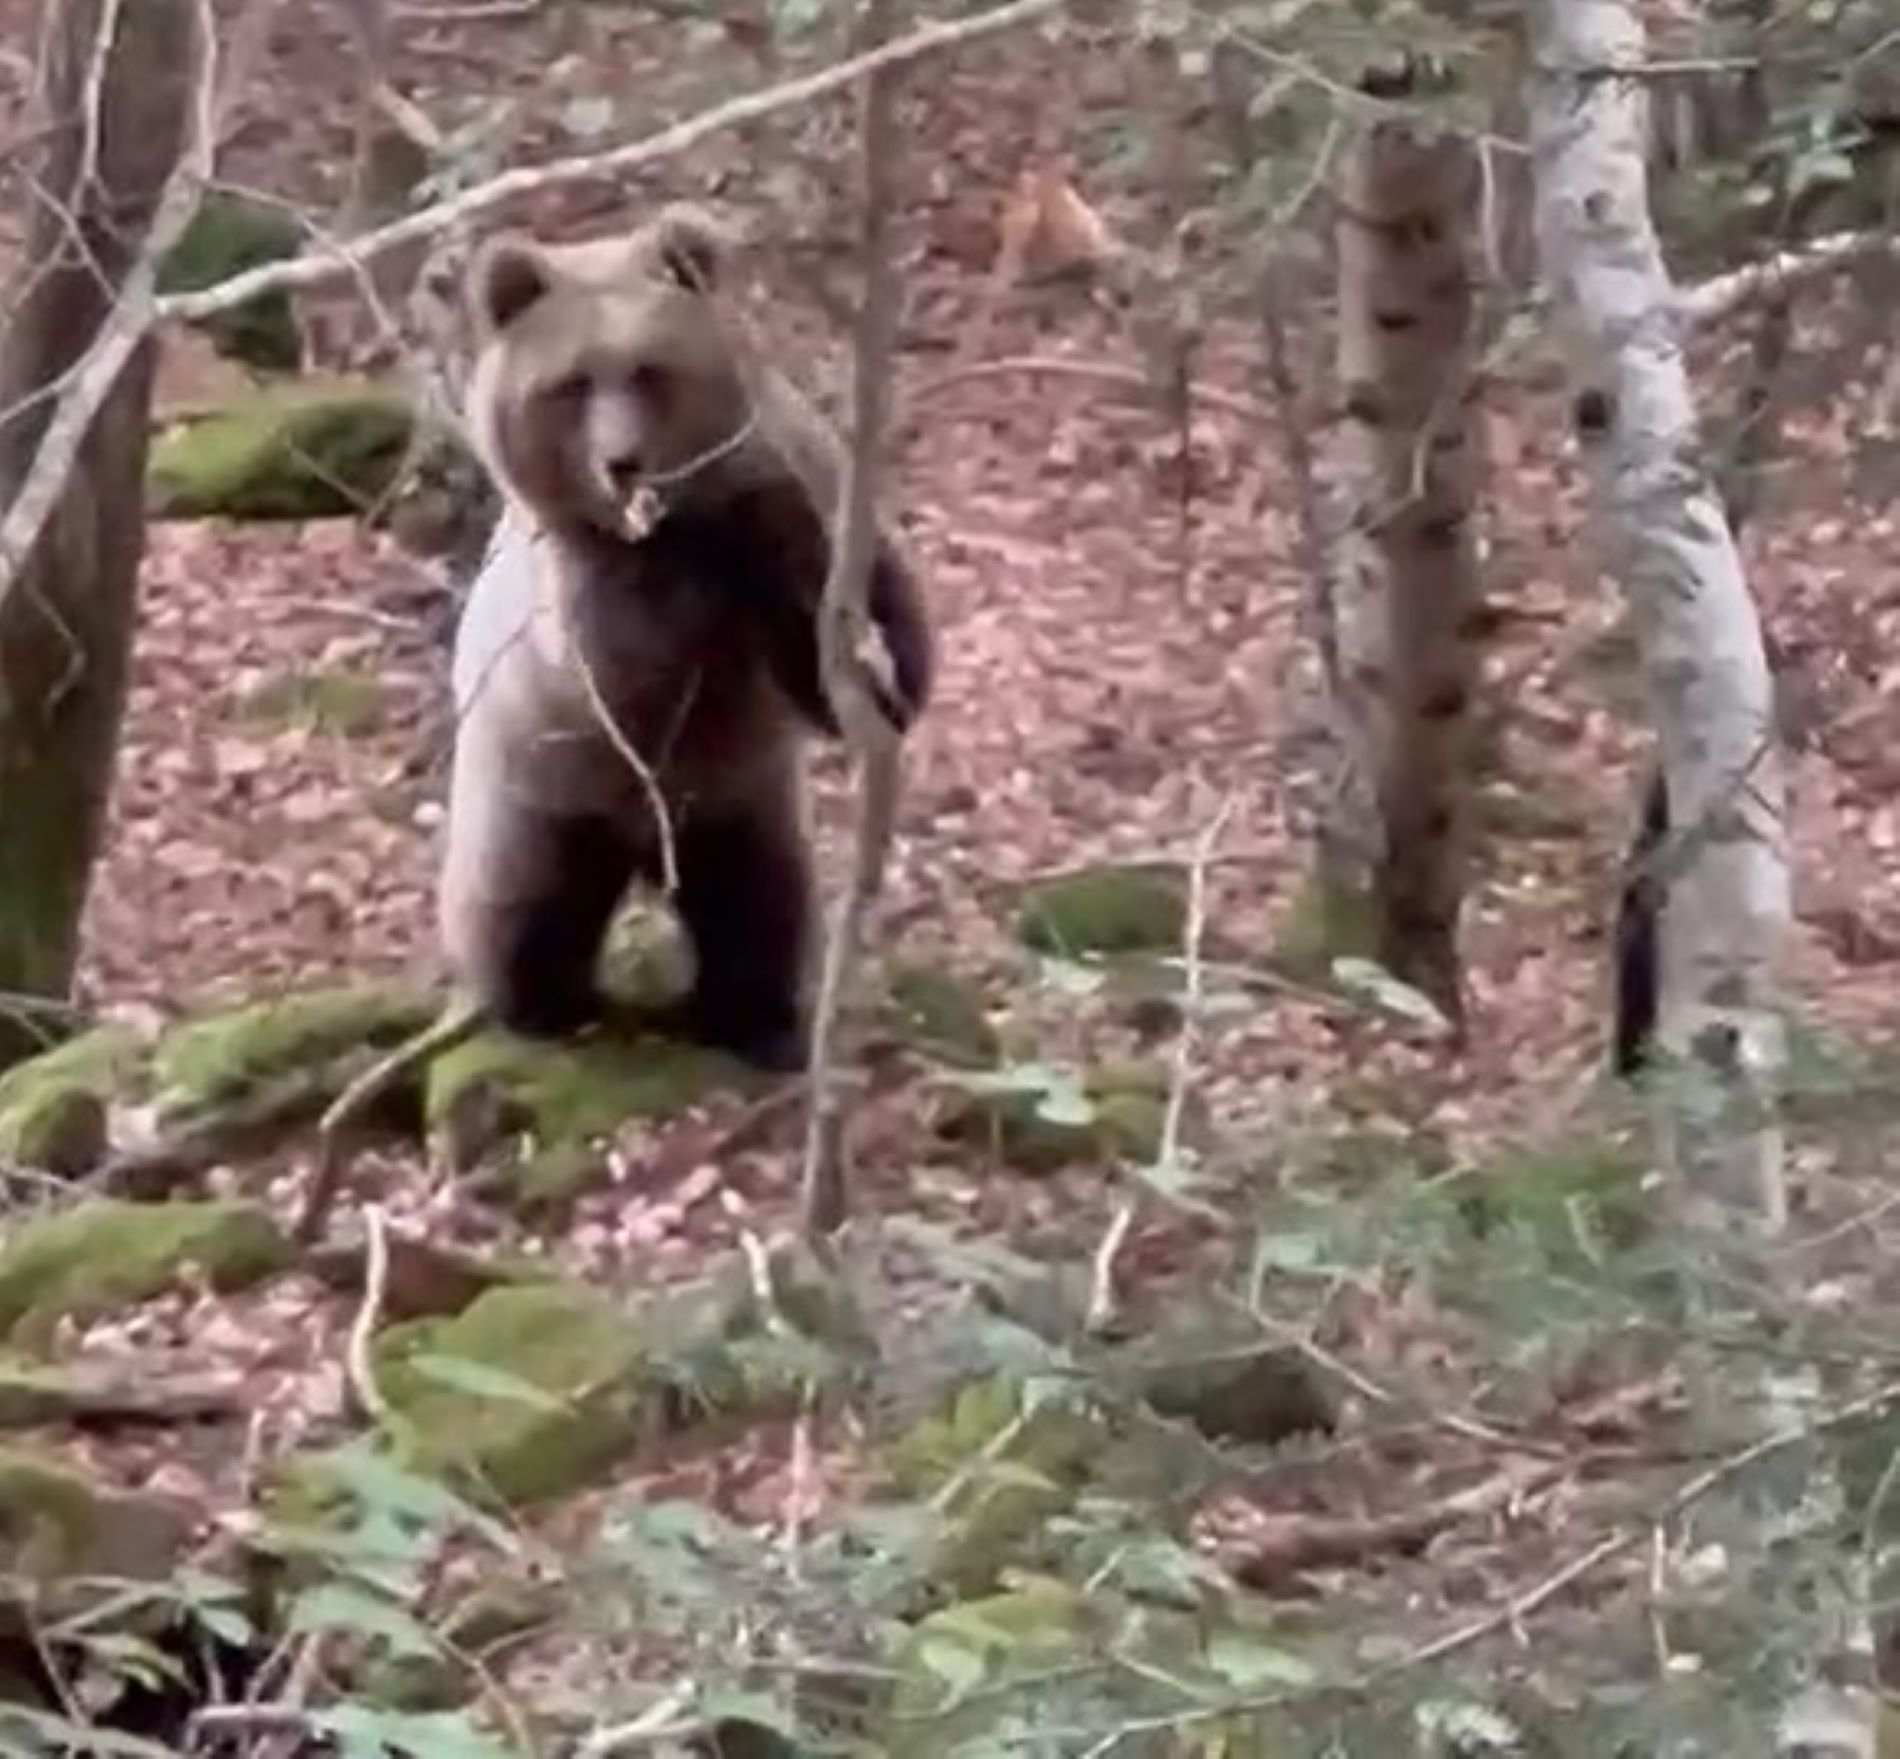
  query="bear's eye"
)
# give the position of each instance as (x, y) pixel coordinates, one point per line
(647, 380)
(571, 389)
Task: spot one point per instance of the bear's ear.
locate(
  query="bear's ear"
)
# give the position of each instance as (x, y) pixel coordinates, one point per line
(510, 275)
(691, 246)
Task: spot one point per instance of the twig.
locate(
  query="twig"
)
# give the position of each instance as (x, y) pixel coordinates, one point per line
(460, 1020)
(362, 1373)
(1097, 371)
(311, 269)
(1519, 1606)
(125, 327)
(1103, 1300)
(624, 748)
(663, 1720)
(841, 614)
(1718, 297)
(1309, 1542)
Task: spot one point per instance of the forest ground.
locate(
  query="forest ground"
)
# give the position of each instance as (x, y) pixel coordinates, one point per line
(1118, 660)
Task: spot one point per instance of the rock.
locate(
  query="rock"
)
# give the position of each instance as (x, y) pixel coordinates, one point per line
(1105, 910)
(565, 1364)
(104, 1254)
(213, 1060)
(67, 1544)
(303, 451)
(229, 234)
(562, 1099)
(53, 1106)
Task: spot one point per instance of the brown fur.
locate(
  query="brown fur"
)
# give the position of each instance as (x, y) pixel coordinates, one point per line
(605, 367)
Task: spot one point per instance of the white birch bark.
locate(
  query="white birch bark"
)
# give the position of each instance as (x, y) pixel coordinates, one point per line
(1726, 863)
(1406, 578)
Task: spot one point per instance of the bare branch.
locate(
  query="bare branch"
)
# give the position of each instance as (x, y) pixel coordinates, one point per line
(125, 327)
(840, 616)
(1720, 296)
(337, 258)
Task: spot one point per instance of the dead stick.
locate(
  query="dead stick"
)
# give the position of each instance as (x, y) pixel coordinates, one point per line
(841, 614)
(460, 1020)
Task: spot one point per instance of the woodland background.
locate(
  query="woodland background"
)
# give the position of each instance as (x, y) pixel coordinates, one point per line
(1418, 1426)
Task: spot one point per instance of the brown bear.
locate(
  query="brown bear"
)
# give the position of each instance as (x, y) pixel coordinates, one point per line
(660, 556)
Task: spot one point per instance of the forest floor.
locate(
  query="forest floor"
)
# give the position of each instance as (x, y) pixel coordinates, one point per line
(1121, 660)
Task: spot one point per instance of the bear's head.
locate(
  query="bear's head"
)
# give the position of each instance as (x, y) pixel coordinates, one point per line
(607, 372)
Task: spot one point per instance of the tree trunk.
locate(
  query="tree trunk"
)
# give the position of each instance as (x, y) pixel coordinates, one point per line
(1406, 578)
(66, 628)
(1724, 863)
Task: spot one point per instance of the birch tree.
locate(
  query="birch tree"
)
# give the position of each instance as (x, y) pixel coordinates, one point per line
(1405, 565)
(118, 87)
(1722, 872)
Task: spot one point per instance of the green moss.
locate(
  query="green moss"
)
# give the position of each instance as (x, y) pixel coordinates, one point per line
(227, 235)
(1327, 921)
(1105, 910)
(1576, 1203)
(294, 452)
(1025, 1475)
(579, 1356)
(941, 1016)
(42, 1098)
(342, 702)
(1125, 1106)
(204, 1062)
(566, 1097)
(105, 1254)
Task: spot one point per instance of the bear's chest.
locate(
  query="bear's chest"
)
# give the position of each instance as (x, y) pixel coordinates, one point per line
(669, 654)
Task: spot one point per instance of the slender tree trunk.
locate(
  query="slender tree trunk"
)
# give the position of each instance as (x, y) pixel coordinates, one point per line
(65, 631)
(1406, 577)
(1725, 909)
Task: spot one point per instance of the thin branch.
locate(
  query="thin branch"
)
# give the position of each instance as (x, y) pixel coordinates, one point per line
(1105, 372)
(125, 326)
(841, 615)
(485, 199)
(1103, 1299)
(1718, 298)
(362, 1370)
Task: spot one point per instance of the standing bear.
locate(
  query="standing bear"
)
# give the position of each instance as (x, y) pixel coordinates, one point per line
(659, 562)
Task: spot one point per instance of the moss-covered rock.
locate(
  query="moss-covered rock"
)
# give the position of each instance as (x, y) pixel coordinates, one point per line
(66, 1543)
(227, 235)
(346, 703)
(559, 1101)
(563, 1367)
(209, 1061)
(1105, 910)
(940, 1015)
(52, 1107)
(298, 451)
(104, 1254)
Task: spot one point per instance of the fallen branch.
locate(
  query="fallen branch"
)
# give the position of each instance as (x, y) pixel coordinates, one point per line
(125, 326)
(460, 1020)
(841, 615)
(1104, 1297)
(359, 1366)
(339, 258)
(1314, 1542)
(1721, 295)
